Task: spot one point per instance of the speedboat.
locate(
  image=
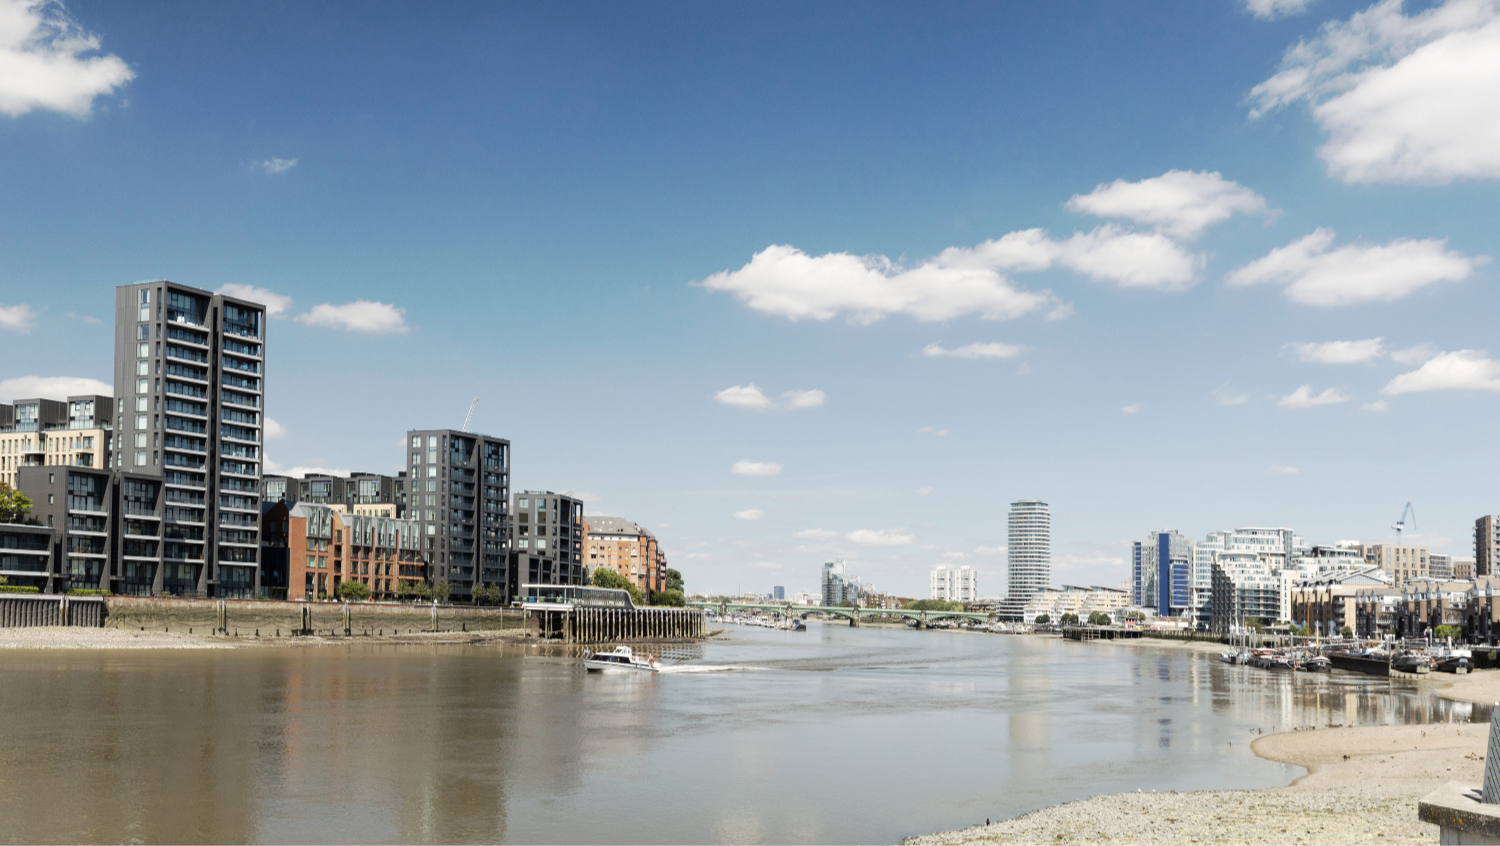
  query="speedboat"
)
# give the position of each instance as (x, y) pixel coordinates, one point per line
(621, 660)
(1230, 656)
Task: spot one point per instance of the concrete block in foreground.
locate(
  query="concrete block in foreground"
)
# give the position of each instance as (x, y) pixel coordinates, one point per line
(1463, 818)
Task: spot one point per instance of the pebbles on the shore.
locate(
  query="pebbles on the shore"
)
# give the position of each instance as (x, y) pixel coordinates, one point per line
(79, 637)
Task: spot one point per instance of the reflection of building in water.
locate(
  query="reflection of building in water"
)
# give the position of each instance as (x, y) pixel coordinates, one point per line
(1029, 726)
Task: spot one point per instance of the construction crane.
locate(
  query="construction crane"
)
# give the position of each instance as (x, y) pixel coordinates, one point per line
(1408, 514)
(469, 418)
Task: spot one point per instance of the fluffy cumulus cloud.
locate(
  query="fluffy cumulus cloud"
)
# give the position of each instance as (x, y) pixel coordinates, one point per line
(750, 514)
(276, 431)
(1180, 203)
(974, 351)
(17, 318)
(1313, 273)
(277, 166)
(786, 282)
(1340, 352)
(1225, 395)
(1303, 397)
(1464, 370)
(745, 467)
(880, 537)
(51, 387)
(359, 316)
(1108, 253)
(1403, 98)
(47, 61)
(1415, 355)
(276, 304)
(752, 397)
(816, 534)
(1272, 9)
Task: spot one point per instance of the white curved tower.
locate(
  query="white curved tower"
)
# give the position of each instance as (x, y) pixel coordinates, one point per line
(1029, 548)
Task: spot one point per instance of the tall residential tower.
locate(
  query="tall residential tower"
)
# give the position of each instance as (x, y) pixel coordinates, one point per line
(189, 395)
(1028, 548)
(458, 489)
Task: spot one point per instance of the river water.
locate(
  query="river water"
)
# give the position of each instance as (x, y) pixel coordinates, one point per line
(834, 735)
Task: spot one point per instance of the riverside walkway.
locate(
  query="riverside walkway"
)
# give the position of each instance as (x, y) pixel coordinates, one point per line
(853, 615)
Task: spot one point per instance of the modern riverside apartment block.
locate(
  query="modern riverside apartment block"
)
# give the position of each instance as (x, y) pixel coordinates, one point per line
(108, 529)
(458, 491)
(1028, 549)
(324, 547)
(1487, 545)
(550, 536)
(358, 493)
(189, 395)
(840, 587)
(26, 554)
(55, 433)
(1403, 563)
(1161, 573)
(628, 548)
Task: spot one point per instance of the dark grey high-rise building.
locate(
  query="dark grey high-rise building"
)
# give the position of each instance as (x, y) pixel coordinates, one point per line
(458, 488)
(189, 395)
(548, 545)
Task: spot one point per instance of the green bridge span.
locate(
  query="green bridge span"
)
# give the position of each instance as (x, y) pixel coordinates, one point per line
(853, 615)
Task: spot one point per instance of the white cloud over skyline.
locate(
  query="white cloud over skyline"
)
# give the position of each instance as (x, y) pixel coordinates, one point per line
(1340, 352)
(880, 537)
(1272, 9)
(51, 387)
(17, 318)
(276, 431)
(364, 316)
(49, 62)
(1462, 370)
(1179, 203)
(975, 351)
(1303, 397)
(1404, 99)
(1313, 274)
(750, 514)
(746, 467)
(277, 166)
(276, 304)
(752, 397)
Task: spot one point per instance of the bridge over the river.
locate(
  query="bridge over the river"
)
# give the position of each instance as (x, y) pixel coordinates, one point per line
(853, 615)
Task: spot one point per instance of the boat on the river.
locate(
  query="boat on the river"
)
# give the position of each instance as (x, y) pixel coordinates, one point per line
(1411, 663)
(1316, 664)
(1230, 656)
(621, 660)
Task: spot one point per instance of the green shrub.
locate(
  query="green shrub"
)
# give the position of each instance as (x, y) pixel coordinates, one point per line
(18, 589)
(88, 592)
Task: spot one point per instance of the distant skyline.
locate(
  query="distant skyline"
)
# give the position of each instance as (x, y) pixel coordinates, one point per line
(788, 282)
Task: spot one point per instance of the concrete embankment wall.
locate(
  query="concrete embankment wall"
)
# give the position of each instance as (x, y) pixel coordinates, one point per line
(250, 617)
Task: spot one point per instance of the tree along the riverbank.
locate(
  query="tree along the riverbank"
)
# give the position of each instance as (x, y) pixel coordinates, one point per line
(933, 605)
(607, 578)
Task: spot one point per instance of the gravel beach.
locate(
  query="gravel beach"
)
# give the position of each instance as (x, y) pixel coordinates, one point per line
(1362, 786)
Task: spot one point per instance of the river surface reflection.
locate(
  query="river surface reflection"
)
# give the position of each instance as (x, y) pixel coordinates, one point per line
(833, 735)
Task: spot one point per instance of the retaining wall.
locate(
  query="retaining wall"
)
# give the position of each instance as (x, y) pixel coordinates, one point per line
(30, 609)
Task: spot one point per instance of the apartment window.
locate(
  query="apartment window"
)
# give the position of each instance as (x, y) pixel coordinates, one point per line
(432, 472)
(142, 386)
(140, 458)
(142, 332)
(143, 368)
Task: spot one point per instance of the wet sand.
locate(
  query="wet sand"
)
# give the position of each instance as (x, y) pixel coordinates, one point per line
(1362, 786)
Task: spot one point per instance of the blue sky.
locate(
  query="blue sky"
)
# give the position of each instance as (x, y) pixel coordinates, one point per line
(1190, 265)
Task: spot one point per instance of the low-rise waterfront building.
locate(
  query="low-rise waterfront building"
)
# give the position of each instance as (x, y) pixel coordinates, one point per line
(1429, 603)
(26, 554)
(1076, 599)
(628, 548)
(1376, 611)
(325, 546)
(1325, 603)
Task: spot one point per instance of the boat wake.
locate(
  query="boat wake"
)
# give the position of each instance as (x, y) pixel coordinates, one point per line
(705, 668)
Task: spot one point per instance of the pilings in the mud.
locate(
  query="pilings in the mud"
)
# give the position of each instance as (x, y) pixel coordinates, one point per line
(614, 625)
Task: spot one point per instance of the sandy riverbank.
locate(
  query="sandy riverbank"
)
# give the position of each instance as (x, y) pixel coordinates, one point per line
(78, 637)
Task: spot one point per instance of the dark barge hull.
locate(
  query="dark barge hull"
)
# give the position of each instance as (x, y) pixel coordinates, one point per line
(1369, 666)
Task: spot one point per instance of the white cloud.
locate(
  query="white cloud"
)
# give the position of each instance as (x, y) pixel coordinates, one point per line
(1180, 203)
(816, 534)
(1376, 406)
(958, 556)
(276, 304)
(274, 430)
(1223, 395)
(1303, 397)
(803, 399)
(1340, 352)
(17, 318)
(1272, 9)
(1131, 409)
(989, 550)
(1279, 470)
(990, 350)
(880, 537)
(750, 514)
(1464, 370)
(86, 318)
(1403, 99)
(275, 166)
(787, 282)
(933, 431)
(1109, 253)
(767, 565)
(924, 491)
(746, 467)
(1356, 273)
(745, 396)
(1414, 355)
(750, 396)
(359, 316)
(45, 61)
(51, 387)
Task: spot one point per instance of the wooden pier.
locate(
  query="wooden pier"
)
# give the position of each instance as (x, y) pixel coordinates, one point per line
(1100, 632)
(583, 624)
